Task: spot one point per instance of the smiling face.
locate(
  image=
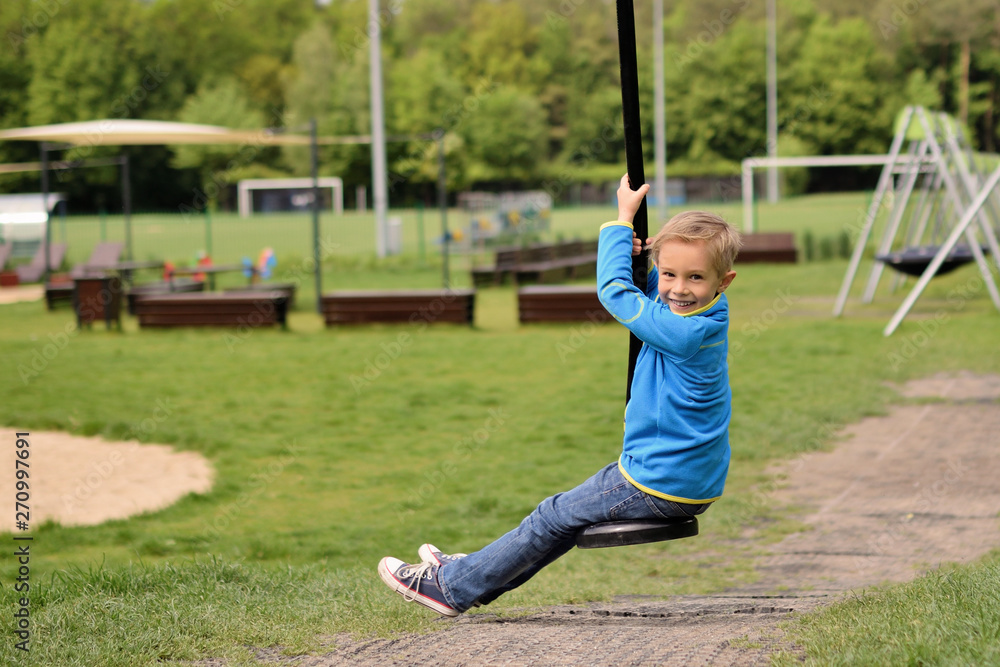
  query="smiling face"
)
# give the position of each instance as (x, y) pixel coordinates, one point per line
(688, 282)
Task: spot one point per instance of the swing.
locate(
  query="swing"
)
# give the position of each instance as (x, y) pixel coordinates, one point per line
(624, 533)
(914, 261)
(955, 191)
(641, 531)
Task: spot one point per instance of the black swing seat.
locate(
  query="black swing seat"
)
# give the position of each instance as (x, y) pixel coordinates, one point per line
(625, 533)
(914, 261)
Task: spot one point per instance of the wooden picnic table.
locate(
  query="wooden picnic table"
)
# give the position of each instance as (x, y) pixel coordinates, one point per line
(98, 298)
(60, 287)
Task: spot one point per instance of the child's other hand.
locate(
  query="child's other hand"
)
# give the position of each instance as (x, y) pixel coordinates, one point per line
(629, 199)
(637, 246)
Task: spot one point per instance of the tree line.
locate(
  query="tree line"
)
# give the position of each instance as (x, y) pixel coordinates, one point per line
(526, 91)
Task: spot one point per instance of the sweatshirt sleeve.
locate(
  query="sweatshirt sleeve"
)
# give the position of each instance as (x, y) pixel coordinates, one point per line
(652, 278)
(653, 323)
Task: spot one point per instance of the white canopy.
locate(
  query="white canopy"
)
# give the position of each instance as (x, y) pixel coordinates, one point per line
(131, 132)
(28, 207)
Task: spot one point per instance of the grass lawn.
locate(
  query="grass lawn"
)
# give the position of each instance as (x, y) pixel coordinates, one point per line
(334, 448)
(949, 617)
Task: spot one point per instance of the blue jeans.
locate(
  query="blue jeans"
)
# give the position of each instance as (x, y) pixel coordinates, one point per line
(548, 533)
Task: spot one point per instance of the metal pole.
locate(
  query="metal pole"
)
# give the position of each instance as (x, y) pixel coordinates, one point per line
(314, 167)
(421, 242)
(208, 232)
(899, 206)
(884, 184)
(443, 205)
(746, 177)
(772, 99)
(62, 219)
(659, 113)
(379, 175)
(127, 206)
(45, 204)
(633, 155)
(971, 182)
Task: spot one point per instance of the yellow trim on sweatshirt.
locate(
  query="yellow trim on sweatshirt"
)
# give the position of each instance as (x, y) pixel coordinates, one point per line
(639, 297)
(651, 492)
(618, 223)
(703, 308)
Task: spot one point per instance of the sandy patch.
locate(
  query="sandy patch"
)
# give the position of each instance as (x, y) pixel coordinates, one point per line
(79, 481)
(21, 293)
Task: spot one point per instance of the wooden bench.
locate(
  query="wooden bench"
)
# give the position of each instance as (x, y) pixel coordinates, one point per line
(540, 263)
(506, 261)
(774, 247)
(560, 303)
(213, 309)
(566, 261)
(179, 285)
(420, 306)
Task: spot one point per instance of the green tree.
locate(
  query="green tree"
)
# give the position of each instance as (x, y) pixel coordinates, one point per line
(582, 95)
(309, 90)
(504, 136)
(218, 37)
(422, 97)
(524, 89)
(435, 25)
(84, 65)
(224, 103)
(17, 26)
(838, 102)
(501, 45)
(263, 77)
(716, 101)
(331, 87)
(952, 30)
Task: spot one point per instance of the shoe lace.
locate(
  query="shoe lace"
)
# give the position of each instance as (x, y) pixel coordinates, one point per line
(418, 572)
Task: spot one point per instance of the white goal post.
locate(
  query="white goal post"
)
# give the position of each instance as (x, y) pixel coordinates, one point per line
(246, 187)
(750, 164)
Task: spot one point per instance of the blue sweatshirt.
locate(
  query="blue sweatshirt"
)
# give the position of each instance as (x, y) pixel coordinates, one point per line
(676, 442)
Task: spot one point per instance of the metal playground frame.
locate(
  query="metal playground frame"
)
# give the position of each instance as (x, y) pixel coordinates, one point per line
(954, 193)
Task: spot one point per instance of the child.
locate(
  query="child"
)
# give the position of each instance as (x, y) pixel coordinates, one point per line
(676, 446)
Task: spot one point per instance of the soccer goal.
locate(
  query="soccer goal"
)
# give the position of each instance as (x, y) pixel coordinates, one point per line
(286, 194)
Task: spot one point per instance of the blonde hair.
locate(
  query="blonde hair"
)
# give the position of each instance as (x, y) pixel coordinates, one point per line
(722, 239)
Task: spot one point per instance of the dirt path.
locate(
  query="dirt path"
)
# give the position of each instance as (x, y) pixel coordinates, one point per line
(900, 495)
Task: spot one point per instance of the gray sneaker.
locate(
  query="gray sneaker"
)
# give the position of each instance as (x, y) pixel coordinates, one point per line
(431, 554)
(416, 583)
